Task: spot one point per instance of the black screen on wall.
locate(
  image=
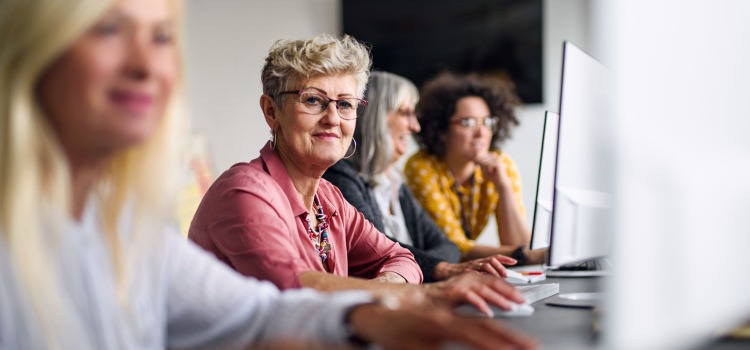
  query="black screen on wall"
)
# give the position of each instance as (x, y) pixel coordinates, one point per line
(419, 38)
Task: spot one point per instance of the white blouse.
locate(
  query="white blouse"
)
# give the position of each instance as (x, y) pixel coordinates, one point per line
(386, 195)
(179, 297)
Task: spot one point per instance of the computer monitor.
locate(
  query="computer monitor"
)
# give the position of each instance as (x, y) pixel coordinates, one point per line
(681, 119)
(545, 184)
(582, 196)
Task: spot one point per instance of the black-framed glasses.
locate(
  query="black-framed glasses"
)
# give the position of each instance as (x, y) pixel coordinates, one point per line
(314, 102)
(472, 123)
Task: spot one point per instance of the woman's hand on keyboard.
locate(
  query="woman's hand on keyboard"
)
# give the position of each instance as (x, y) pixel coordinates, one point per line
(492, 265)
(475, 289)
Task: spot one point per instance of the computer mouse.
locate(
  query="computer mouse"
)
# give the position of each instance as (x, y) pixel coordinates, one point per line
(515, 277)
(516, 310)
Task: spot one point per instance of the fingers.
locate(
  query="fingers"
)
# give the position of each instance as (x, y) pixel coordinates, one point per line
(488, 158)
(490, 289)
(506, 290)
(490, 268)
(436, 328)
(492, 265)
(478, 302)
(433, 328)
(489, 168)
(496, 266)
(505, 260)
(494, 297)
(478, 290)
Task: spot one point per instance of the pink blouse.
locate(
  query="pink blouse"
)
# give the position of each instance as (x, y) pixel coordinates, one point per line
(253, 219)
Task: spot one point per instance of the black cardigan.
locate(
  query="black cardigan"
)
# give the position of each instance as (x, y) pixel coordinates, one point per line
(431, 246)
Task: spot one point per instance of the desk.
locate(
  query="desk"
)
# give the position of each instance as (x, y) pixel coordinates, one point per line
(557, 327)
(561, 327)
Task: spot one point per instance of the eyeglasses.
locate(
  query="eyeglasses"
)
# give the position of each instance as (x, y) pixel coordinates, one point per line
(408, 113)
(314, 102)
(491, 123)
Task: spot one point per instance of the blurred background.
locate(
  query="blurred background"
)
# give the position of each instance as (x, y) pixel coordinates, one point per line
(227, 41)
(680, 156)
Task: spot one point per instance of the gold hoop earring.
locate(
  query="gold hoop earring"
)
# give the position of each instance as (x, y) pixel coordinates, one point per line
(355, 149)
(273, 140)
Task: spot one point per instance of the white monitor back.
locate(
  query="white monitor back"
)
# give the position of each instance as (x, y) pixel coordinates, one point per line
(582, 197)
(682, 115)
(545, 186)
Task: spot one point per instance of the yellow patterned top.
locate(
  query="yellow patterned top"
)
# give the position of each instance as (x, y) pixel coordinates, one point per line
(433, 184)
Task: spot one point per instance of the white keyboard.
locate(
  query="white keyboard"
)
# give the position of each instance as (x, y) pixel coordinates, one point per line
(536, 292)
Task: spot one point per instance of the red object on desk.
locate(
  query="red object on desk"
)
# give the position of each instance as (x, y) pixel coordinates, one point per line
(532, 273)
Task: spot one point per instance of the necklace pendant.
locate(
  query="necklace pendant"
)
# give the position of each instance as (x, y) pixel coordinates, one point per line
(325, 247)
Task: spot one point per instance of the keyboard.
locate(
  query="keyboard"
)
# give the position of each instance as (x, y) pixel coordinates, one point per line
(536, 292)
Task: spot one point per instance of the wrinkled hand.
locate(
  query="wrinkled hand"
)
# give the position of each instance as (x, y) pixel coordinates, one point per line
(492, 265)
(476, 289)
(493, 168)
(431, 329)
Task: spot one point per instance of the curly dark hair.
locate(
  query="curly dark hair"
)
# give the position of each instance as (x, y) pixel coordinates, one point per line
(438, 103)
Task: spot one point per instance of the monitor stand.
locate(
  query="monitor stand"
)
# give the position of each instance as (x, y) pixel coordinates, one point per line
(589, 268)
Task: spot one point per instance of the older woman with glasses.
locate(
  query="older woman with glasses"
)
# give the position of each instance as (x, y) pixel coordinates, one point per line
(274, 218)
(460, 175)
(370, 182)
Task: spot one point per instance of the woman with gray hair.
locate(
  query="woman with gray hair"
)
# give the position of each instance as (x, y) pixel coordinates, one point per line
(370, 182)
(276, 219)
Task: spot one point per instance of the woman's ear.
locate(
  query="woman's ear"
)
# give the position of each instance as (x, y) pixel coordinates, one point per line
(268, 106)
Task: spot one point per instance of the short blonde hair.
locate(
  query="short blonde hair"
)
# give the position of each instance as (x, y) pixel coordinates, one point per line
(35, 182)
(291, 61)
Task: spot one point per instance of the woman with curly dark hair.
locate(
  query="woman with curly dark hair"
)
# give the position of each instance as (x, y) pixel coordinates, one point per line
(460, 176)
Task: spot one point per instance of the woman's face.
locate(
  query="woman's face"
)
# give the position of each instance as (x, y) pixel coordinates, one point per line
(464, 142)
(402, 124)
(316, 140)
(109, 90)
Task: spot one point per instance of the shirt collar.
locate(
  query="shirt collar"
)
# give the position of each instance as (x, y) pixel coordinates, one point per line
(478, 176)
(275, 167)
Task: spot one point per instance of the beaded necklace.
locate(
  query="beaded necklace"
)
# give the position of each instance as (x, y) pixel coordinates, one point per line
(319, 238)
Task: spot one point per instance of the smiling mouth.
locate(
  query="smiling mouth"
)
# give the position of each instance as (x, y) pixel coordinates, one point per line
(133, 102)
(327, 136)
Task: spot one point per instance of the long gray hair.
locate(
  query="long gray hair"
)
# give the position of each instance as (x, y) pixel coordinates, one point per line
(385, 93)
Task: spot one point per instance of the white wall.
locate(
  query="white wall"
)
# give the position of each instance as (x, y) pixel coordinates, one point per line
(563, 20)
(227, 41)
